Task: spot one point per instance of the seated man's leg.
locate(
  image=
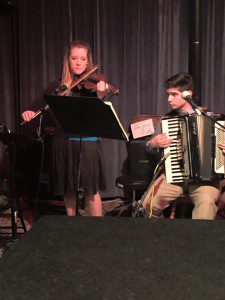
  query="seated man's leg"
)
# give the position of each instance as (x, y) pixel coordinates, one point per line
(204, 199)
(166, 193)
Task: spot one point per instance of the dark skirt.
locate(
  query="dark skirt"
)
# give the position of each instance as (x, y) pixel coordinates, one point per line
(64, 179)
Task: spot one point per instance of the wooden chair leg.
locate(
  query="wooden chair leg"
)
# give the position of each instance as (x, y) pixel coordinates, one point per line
(173, 211)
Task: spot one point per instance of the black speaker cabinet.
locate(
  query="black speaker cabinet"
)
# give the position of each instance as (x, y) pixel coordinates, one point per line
(142, 163)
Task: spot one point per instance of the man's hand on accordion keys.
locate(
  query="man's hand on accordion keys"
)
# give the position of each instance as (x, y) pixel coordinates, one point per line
(160, 141)
(221, 146)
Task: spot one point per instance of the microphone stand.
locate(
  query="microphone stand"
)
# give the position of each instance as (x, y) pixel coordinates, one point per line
(40, 139)
(204, 114)
(186, 96)
(138, 209)
(79, 190)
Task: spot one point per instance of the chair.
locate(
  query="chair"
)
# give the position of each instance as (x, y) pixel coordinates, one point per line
(180, 208)
(137, 170)
(139, 165)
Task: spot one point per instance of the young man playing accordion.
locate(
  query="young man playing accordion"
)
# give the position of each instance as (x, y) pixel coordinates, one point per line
(204, 194)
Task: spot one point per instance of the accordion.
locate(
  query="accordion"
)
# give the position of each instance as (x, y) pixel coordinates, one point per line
(193, 154)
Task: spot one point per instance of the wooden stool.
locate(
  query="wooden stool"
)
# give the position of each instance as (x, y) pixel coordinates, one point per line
(183, 201)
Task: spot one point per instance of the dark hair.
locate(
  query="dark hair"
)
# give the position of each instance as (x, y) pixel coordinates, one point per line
(181, 81)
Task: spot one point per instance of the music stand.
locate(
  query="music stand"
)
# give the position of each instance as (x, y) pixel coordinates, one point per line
(85, 117)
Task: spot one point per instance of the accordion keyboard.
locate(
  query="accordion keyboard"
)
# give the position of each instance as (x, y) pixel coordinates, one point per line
(177, 163)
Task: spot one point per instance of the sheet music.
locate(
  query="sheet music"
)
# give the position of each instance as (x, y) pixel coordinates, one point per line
(118, 120)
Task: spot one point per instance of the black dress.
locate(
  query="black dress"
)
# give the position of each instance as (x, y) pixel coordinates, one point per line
(64, 177)
(65, 166)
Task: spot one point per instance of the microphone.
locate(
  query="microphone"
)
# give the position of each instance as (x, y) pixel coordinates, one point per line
(60, 89)
(187, 96)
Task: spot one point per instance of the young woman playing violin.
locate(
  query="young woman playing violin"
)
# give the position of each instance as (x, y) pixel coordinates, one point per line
(77, 61)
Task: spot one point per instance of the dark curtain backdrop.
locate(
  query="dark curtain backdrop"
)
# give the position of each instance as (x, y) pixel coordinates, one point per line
(138, 44)
(7, 111)
(213, 55)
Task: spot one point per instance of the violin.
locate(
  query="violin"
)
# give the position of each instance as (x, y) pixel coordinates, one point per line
(84, 81)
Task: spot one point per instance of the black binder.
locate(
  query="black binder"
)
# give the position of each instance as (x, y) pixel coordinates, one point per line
(86, 116)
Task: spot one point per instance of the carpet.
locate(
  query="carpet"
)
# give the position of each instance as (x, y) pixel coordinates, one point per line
(116, 258)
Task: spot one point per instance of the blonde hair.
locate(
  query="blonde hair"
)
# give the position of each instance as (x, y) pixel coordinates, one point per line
(67, 77)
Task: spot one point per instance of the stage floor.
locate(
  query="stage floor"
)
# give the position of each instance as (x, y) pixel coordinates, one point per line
(116, 258)
(117, 207)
